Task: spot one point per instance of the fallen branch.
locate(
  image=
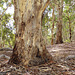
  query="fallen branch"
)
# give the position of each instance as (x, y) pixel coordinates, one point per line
(6, 49)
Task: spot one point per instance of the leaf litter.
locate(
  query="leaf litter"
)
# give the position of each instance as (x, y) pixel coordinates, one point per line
(63, 64)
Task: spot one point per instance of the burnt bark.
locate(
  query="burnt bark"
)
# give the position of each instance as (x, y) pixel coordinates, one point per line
(30, 48)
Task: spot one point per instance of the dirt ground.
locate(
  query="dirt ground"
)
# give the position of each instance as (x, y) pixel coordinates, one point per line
(63, 64)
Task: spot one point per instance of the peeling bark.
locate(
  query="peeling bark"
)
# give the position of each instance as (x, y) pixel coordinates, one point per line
(30, 48)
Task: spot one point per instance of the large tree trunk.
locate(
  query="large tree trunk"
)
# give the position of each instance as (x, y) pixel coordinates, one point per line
(59, 23)
(29, 47)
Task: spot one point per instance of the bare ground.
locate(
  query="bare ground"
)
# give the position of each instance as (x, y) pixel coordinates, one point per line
(63, 64)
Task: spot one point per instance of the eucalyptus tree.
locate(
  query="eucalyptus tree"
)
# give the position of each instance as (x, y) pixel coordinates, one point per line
(30, 48)
(68, 20)
(59, 22)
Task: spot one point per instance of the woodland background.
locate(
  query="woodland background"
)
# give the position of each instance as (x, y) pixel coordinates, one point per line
(49, 22)
(63, 54)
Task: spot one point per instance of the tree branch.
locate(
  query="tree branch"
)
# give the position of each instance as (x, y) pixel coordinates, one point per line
(4, 11)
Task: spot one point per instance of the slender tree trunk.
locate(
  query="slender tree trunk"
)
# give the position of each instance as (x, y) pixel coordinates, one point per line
(0, 28)
(53, 16)
(29, 46)
(70, 29)
(1, 34)
(59, 23)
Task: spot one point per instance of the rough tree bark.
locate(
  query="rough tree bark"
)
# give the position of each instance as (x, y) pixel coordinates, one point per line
(59, 23)
(29, 46)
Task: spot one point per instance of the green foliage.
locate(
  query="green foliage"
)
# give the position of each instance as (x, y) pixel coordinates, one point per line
(67, 1)
(7, 33)
(1, 3)
(68, 14)
(6, 30)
